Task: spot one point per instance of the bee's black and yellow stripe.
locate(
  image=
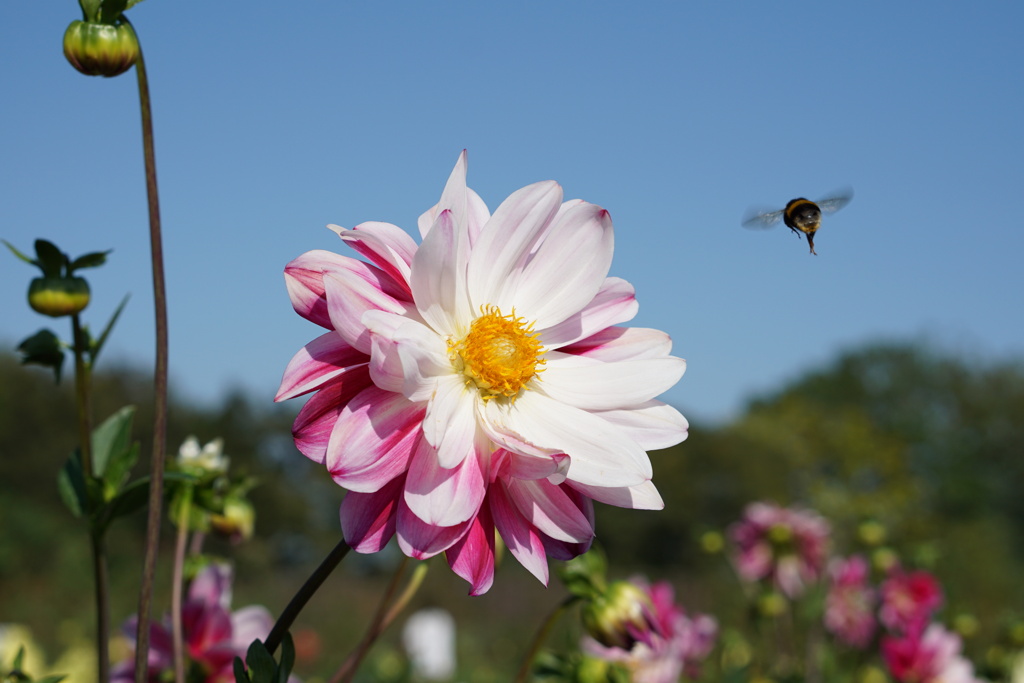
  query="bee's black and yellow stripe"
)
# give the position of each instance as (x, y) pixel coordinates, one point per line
(792, 215)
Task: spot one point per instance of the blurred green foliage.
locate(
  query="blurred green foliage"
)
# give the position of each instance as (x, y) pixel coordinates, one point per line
(923, 442)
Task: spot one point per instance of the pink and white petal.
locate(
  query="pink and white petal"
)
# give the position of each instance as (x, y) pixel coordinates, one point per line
(622, 343)
(450, 422)
(425, 360)
(561, 550)
(317, 363)
(601, 454)
(354, 290)
(315, 421)
(614, 303)
(654, 425)
(520, 538)
(368, 519)
(640, 497)
(568, 268)
(386, 245)
(420, 540)
(505, 244)
(472, 557)
(477, 216)
(443, 496)
(212, 585)
(509, 464)
(439, 276)
(549, 510)
(593, 385)
(373, 439)
(304, 279)
(249, 624)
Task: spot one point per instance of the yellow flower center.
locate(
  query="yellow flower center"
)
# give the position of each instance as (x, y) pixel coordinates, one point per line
(500, 354)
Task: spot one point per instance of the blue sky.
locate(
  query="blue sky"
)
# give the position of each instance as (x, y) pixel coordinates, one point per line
(676, 117)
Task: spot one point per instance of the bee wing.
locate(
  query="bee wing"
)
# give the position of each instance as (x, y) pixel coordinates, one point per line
(836, 200)
(757, 219)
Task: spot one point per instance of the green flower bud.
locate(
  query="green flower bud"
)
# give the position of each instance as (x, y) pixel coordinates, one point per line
(101, 49)
(237, 521)
(620, 616)
(58, 296)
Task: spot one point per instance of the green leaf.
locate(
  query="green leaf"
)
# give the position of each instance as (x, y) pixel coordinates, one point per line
(17, 253)
(261, 663)
(284, 669)
(118, 468)
(241, 676)
(132, 3)
(71, 485)
(50, 258)
(90, 260)
(90, 9)
(95, 346)
(112, 440)
(110, 10)
(52, 679)
(43, 348)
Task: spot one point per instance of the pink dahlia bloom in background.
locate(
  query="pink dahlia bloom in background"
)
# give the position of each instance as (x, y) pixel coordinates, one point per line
(909, 600)
(930, 656)
(786, 546)
(479, 383)
(850, 603)
(677, 643)
(214, 635)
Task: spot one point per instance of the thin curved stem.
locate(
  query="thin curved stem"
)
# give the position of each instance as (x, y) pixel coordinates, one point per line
(541, 636)
(381, 619)
(315, 580)
(156, 485)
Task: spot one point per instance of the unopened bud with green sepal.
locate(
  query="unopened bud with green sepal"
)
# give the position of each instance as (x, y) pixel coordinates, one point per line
(59, 292)
(98, 49)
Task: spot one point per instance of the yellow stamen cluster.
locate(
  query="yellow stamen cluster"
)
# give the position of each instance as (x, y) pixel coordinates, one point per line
(500, 354)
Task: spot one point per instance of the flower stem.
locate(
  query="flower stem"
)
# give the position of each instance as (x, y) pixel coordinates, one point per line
(382, 619)
(177, 636)
(542, 635)
(83, 377)
(315, 580)
(156, 485)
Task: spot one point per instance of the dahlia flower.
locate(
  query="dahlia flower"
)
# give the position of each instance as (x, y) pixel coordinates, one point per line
(788, 546)
(932, 656)
(850, 603)
(909, 599)
(478, 382)
(213, 634)
(674, 643)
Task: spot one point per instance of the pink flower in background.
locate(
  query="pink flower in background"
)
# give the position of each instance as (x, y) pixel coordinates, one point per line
(213, 634)
(850, 603)
(909, 600)
(787, 546)
(676, 644)
(477, 383)
(931, 656)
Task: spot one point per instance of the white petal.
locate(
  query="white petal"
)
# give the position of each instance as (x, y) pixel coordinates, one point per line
(593, 385)
(601, 454)
(653, 425)
(421, 353)
(506, 242)
(439, 276)
(640, 497)
(614, 303)
(568, 268)
(450, 423)
(622, 343)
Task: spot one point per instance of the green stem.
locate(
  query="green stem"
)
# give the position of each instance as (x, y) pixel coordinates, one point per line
(83, 377)
(315, 580)
(381, 619)
(156, 486)
(541, 636)
(177, 635)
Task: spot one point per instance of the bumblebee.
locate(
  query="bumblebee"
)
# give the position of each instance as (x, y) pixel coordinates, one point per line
(800, 215)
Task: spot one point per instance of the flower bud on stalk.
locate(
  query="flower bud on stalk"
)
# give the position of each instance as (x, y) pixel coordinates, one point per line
(97, 49)
(621, 617)
(58, 296)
